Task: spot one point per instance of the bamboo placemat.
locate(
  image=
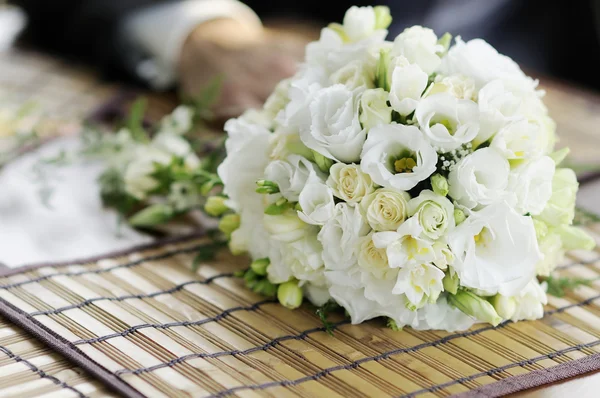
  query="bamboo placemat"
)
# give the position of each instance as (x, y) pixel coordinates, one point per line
(146, 325)
(30, 369)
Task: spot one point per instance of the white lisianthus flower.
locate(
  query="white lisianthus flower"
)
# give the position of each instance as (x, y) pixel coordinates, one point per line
(285, 142)
(434, 212)
(385, 209)
(407, 244)
(498, 107)
(138, 174)
(446, 121)
(247, 156)
(560, 209)
(316, 202)
(520, 140)
(398, 156)
(408, 84)
(355, 75)
(292, 175)
(479, 179)
(278, 100)
(340, 235)
(420, 282)
(301, 91)
(374, 109)
(286, 227)
(304, 257)
(459, 86)
(526, 304)
(252, 236)
(318, 295)
(442, 315)
(335, 131)
(532, 185)
(349, 183)
(419, 46)
(495, 249)
(480, 61)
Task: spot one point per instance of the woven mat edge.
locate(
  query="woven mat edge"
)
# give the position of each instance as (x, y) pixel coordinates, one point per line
(66, 349)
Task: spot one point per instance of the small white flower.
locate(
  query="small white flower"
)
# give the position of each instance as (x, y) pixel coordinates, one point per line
(480, 178)
(459, 86)
(408, 84)
(335, 131)
(179, 122)
(374, 109)
(407, 244)
(355, 75)
(446, 121)
(496, 249)
(138, 174)
(340, 237)
(532, 185)
(292, 175)
(359, 22)
(349, 183)
(316, 201)
(385, 209)
(421, 283)
(434, 212)
(520, 140)
(397, 156)
(419, 45)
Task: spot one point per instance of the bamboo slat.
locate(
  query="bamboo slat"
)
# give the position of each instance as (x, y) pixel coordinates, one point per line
(147, 318)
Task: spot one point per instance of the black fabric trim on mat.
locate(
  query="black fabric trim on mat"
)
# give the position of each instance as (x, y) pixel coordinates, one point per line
(66, 349)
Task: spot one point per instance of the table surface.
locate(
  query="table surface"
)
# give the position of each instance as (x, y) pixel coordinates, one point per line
(72, 93)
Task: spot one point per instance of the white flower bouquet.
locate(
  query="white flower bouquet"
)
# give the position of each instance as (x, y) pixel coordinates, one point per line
(410, 179)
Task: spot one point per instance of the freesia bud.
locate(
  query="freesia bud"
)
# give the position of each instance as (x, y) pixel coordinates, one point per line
(152, 216)
(229, 223)
(260, 266)
(323, 162)
(215, 206)
(459, 216)
(265, 186)
(475, 306)
(439, 183)
(450, 282)
(504, 306)
(383, 18)
(289, 295)
(444, 41)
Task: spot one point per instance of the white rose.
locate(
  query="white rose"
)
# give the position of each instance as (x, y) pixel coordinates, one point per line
(340, 237)
(480, 61)
(349, 183)
(356, 74)
(560, 209)
(385, 209)
(374, 109)
(479, 179)
(247, 157)
(372, 259)
(532, 185)
(408, 84)
(397, 156)
(335, 131)
(495, 249)
(138, 174)
(316, 201)
(459, 86)
(520, 140)
(407, 244)
(292, 175)
(359, 22)
(434, 212)
(419, 45)
(420, 282)
(446, 121)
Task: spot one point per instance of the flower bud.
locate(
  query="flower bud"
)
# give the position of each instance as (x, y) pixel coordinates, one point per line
(267, 187)
(383, 18)
(475, 306)
(289, 295)
(323, 162)
(559, 156)
(215, 206)
(382, 78)
(439, 183)
(265, 288)
(575, 238)
(451, 282)
(504, 306)
(278, 207)
(260, 266)
(445, 42)
(459, 216)
(229, 223)
(151, 216)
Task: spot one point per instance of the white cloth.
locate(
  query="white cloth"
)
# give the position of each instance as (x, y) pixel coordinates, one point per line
(161, 31)
(74, 226)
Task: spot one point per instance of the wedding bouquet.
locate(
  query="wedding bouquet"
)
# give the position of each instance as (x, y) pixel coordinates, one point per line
(410, 179)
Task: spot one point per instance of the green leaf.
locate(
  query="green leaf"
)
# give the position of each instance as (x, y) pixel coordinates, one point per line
(135, 121)
(559, 286)
(585, 217)
(323, 313)
(393, 325)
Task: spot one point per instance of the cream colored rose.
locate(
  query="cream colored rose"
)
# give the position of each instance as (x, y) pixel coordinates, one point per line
(349, 183)
(385, 209)
(371, 259)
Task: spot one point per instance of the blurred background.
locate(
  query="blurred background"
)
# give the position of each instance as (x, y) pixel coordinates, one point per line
(64, 63)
